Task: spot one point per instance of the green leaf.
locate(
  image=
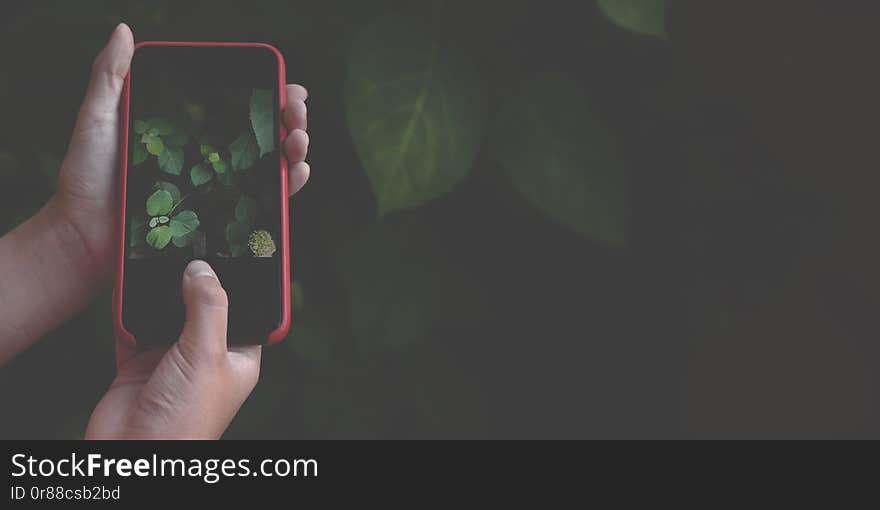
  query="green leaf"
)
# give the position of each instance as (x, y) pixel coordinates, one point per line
(170, 188)
(206, 149)
(159, 203)
(184, 222)
(184, 240)
(262, 116)
(415, 115)
(213, 157)
(244, 151)
(219, 166)
(646, 17)
(564, 159)
(140, 127)
(177, 138)
(246, 210)
(154, 222)
(159, 237)
(171, 160)
(155, 146)
(162, 126)
(163, 220)
(139, 154)
(200, 174)
(237, 234)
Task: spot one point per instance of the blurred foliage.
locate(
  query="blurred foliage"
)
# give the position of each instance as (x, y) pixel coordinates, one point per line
(641, 16)
(523, 219)
(582, 182)
(416, 113)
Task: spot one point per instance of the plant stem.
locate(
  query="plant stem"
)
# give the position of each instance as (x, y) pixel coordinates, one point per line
(178, 203)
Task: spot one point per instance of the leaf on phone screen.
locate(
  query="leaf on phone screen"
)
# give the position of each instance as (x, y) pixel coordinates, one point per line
(171, 160)
(237, 234)
(262, 114)
(184, 222)
(139, 154)
(646, 17)
(154, 145)
(170, 188)
(205, 149)
(200, 174)
(246, 210)
(563, 158)
(161, 126)
(219, 166)
(159, 237)
(244, 151)
(159, 203)
(416, 114)
(184, 240)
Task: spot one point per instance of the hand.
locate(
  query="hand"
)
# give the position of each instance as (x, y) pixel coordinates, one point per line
(190, 390)
(86, 193)
(193, 388)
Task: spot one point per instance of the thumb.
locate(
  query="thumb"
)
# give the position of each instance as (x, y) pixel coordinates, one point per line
(204, 333)
(93, 146)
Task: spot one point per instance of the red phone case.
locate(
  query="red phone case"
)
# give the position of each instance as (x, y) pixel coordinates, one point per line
(280, 332)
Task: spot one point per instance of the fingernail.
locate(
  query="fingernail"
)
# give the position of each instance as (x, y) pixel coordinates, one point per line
(199, 268)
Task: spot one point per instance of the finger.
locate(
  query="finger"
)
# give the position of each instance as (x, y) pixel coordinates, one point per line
(296, 146)
(204, 333)
(296, 92)
(94, 143)
(298, 176)
(244, 361)
(295, 115)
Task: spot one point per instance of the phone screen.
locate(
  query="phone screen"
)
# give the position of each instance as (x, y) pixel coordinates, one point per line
(203, 182)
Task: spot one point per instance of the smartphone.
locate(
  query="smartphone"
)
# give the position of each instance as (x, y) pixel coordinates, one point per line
(203, 177)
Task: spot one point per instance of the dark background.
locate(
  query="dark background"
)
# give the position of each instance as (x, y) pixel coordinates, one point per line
(741, 304)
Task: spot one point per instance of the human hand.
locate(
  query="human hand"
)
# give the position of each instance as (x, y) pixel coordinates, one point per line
(190, 390)
(193, 388)
(86, 193)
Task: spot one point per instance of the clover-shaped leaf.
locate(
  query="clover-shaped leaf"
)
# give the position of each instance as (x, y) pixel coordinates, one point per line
(159, 237)
(159, 203)
(166, 226)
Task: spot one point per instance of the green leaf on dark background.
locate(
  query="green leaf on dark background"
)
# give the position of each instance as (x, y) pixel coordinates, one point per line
(162, 126)
(561, 155)
(170, 188)
(155, 145)
(140, 127)
(262, 114)
(415, 115)
(139, 154)
(219, 166)
(200, 174)
(184, 222)
(646, 17)
(246, 210)
(244, 151)
(160, 202)
(171, 160)
(159, 237)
